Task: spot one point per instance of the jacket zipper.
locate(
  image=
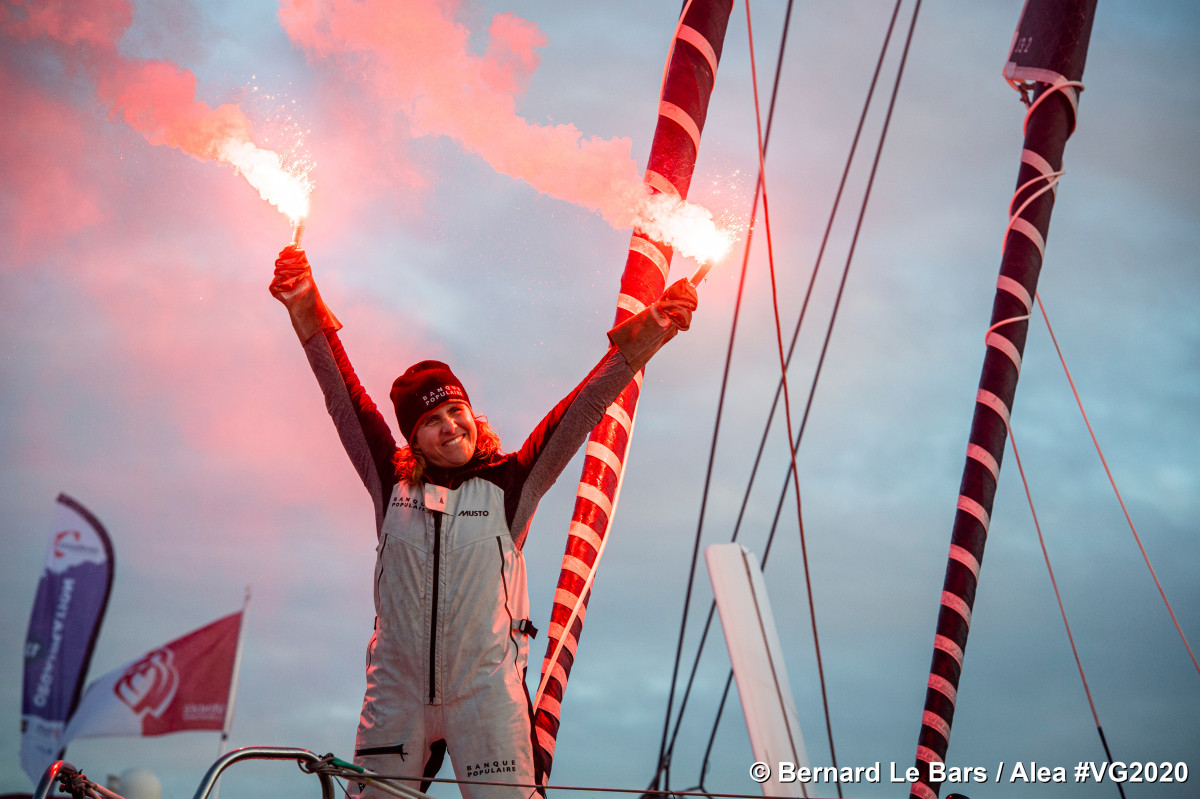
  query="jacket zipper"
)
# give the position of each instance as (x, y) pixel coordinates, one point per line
(437, 572)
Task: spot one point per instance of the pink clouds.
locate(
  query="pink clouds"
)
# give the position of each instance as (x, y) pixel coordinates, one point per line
(48, 187)
(191, 362)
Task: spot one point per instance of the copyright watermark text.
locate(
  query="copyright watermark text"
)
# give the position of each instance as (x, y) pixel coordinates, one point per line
(1020, 772)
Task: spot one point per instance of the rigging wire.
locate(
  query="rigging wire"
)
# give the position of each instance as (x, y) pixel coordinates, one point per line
(846, 268)
(824, 243)
(1112, 481)
(787, 403)
(668, 750)
(1053, 581)
(804, 306)
(665, 749)
(351, 775)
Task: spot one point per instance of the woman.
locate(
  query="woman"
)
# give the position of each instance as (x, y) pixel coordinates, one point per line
(446, 664)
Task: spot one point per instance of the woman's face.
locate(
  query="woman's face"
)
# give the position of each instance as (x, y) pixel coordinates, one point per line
(446, 435)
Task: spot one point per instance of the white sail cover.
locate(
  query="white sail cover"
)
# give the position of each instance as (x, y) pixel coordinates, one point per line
(758, 666)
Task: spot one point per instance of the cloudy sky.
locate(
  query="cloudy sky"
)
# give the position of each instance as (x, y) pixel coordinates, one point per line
(148, 373)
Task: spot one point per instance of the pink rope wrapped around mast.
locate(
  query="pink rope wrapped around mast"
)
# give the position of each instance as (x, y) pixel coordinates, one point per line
(1048, 55)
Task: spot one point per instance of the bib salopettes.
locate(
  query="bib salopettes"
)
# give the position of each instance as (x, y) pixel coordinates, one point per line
(446, 664)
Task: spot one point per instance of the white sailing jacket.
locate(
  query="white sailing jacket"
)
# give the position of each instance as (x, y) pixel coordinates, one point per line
(463, 623)
(450, 589)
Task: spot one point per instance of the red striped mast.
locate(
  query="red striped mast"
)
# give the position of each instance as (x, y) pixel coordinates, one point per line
(683, 107)
(1048, 54)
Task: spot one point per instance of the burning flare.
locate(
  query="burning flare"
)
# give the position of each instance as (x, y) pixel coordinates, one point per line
(687, 228)
(287, 187)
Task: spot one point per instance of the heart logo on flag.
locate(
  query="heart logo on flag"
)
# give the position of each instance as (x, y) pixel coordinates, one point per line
(149, 684)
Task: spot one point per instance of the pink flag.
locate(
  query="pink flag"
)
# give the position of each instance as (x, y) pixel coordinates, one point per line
(183, 685)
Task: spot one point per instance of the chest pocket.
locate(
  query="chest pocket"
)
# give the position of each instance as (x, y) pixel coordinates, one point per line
(406, 518)
(474, 513)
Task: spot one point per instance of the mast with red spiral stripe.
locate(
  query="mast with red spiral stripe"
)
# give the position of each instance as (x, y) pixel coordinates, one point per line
(1047, 59)
(687, 86)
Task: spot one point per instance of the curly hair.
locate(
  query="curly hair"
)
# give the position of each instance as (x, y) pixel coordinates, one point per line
(410, 463)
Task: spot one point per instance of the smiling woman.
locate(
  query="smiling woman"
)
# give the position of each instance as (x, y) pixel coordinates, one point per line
(446, 664)
(435, 416)
(447, 435)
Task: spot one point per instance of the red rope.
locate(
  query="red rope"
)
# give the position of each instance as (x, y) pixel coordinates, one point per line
(787, 407)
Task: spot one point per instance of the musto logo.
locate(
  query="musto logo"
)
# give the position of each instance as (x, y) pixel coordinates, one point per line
(149, 685)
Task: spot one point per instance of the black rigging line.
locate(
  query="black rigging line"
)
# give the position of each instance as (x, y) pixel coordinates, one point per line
(665, 751)
(791, 350)
(837, 303)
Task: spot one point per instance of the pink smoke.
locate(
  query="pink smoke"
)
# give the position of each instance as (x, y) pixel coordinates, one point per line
(99, 23)
(416, 57)
(155, 97)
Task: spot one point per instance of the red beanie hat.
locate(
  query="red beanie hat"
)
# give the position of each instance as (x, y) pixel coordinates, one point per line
(421, 388)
